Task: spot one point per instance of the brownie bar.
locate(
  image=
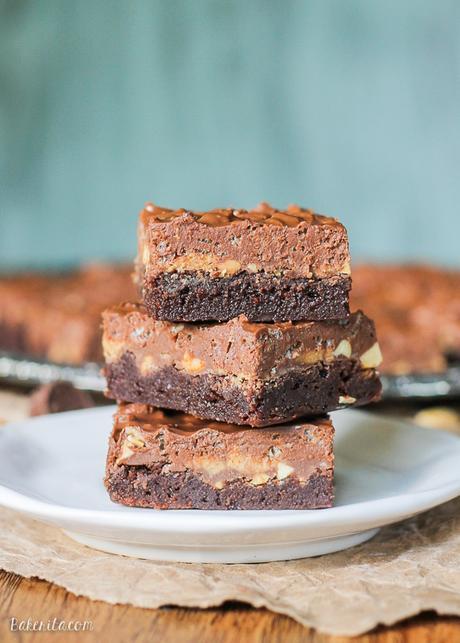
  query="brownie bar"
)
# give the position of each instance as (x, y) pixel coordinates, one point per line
(240, 372)
(267, 264)
(57, 316)
(169, 460)
(416, 309)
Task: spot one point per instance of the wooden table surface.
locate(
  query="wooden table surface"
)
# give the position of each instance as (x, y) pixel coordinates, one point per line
(39, 600)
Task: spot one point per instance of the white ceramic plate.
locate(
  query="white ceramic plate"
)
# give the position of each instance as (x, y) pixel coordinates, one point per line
(51, 468)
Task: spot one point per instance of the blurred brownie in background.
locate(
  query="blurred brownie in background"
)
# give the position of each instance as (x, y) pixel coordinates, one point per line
(58, 316)
(416, 310)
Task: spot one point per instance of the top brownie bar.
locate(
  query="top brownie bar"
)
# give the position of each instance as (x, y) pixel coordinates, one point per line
(266, 264)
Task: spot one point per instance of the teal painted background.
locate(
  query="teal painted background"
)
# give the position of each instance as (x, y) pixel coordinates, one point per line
(350, 107)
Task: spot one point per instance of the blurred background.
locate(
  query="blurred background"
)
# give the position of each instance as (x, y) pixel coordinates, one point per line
(351, 108)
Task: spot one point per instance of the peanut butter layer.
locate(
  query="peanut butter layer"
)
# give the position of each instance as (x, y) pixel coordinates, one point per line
(220, 453)
(294, 242)
(244, 350)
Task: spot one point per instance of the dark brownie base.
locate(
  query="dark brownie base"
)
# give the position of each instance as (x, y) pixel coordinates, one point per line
(196, 296)
(311, 391)
(141, 486)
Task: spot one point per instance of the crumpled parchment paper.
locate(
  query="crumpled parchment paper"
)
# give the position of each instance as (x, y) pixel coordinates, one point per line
(406, 568)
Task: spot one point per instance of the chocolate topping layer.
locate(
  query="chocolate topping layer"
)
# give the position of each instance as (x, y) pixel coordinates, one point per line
(263, 213)
(292, 243)
(245, 350)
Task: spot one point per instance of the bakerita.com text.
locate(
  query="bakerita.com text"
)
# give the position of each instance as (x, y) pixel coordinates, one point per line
(50, 625)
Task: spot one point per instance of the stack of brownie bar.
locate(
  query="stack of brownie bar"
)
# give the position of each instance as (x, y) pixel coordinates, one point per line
(226, 371)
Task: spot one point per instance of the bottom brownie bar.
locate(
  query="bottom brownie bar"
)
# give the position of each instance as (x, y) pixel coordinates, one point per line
(170, 460)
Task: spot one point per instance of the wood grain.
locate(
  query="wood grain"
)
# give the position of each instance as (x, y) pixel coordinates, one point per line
(39, 600)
